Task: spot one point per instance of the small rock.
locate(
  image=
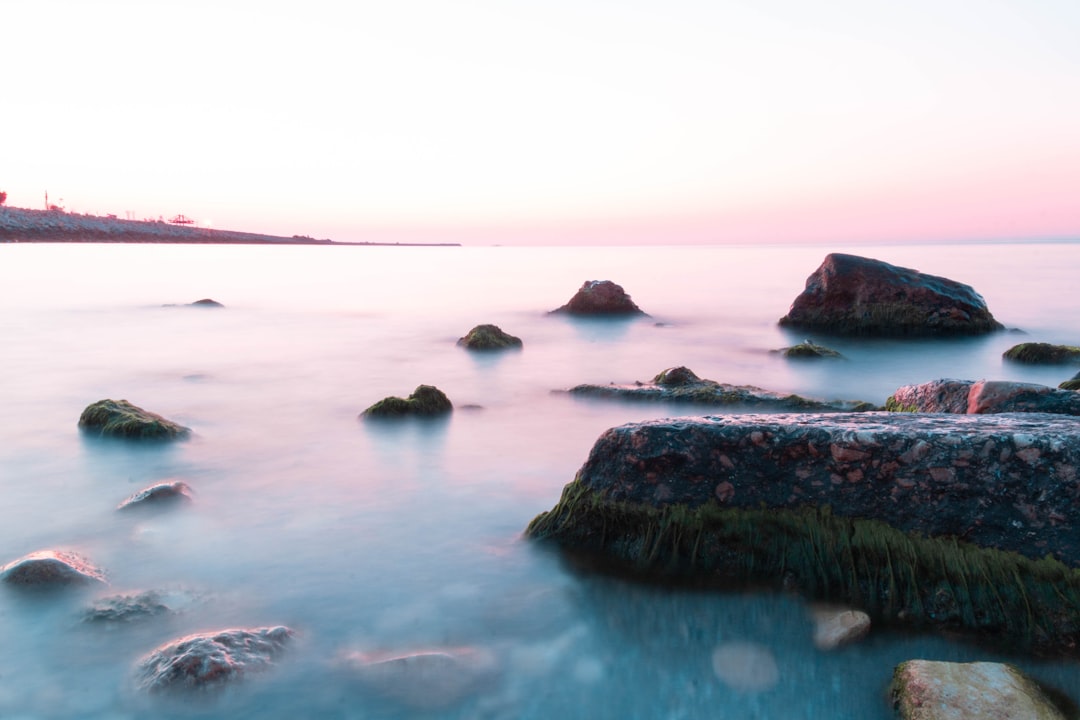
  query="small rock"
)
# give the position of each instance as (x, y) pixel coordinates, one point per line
(207, 303)
(51, 568)
(136, 606)
(1042, 354)
(807, 351)
(119, 418)
(745, 666)
(1072, 383)
(208, 660)
(164, 493)
(425, 401)
(600, 297)
(426, 680)
(489, 337)
(836, 626)
(928, 690)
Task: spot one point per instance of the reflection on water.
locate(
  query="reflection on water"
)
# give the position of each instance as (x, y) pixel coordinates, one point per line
(395, 537)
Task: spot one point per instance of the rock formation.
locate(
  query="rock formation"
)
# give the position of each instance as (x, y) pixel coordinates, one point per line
(208, 660)
(121, 419)
(163, 493)
(808, 351)
(930, 690)
(600, 297)
(50, 568)
(425, 401)
(948, 521)
(1043, 354)
(488, 337)
(426, 680)
(980, 397)
(852, 295)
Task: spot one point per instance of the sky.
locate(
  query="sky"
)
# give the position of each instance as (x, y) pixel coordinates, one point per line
(554, 121)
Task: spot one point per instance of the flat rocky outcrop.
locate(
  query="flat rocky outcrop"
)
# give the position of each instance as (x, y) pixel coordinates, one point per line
(931, 690)
(121, 419)
(948, 521)
(682, 385)
(425, 401)
(489, 337)
(1043, 354)
(600, 297)
(51, 568)
(852, 295)
(980, 397)
(208, 660)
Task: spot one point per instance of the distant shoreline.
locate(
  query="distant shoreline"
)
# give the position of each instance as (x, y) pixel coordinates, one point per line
(21, 225)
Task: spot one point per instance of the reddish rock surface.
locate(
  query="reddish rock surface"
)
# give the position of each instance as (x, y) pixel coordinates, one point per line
(600, 297)
(980, 397)
(210, 659)
(852, 295)
(51, 568)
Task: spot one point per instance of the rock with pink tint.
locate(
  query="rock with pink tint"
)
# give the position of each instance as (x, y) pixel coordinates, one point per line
(427, 679)
(51, 568)
(161, 494)
(600, 297)
(981, 397)
(209, 660)
(836, 626)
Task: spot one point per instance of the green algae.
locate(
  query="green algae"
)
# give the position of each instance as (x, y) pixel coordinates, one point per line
(894, 405)
(1042, 354)
(489, 337)
(897, 577)
(425, 401)
(808, 351)
(121, 419)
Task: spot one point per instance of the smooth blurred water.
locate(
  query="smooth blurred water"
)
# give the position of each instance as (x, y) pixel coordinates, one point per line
(384, 537)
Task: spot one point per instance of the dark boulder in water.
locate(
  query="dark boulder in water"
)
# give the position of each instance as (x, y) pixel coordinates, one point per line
(852, 295)
(207, 303)
(981, 397)
(209, 660)
(121, 419)
(954, 522)
(158, 495)
(425, 401)
(600, 297)
(808, 351)
(1043, 354)
(51, 568)
(489, 337)
(1072, 383)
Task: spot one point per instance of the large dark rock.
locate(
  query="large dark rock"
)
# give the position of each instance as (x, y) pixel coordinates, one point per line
(121, 419)
(682, 385)
(980, 397)
(208, 660)
(1072, 383)
(934, 690)
(852, 295)
(51, 568)
(425, 401)
(489, 337)
(952, 521)
(1043, 354)
(600, 297)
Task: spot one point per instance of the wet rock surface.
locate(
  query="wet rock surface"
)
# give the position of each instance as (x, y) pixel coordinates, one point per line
(425, 401)
(426, 679)
(1043, 354)
(135, 607)
(930, 690)
(51, 568)
(489, 337)
(682, 385)
(600, 297)
(807, 351)
(978, 397)
(121, 419)
(852, 295)
(208, 660)
(159, 495)
(835, 627)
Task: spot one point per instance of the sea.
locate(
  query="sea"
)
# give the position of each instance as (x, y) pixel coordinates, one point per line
(375, 539)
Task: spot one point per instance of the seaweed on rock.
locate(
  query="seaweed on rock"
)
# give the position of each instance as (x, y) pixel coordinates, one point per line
(425, 401)
(119, 418)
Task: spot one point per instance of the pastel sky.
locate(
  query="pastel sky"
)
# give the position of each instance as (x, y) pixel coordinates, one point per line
(593, 121)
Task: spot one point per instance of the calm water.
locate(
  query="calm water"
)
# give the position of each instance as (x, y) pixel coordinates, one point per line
(396, 538)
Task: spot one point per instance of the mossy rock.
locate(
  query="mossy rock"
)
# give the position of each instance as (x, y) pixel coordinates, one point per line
(676, 377)
(425, 401)
(1070, 384)
(1043, 354)
(896, 577)
(121, 419)
(489, 337)
(808, 351)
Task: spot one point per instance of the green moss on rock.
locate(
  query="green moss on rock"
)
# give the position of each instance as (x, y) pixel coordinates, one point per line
(808, 351)
(894, 405)
(896, 577)
(121, 419)
(1043, 354)
(425, 401)
(489, 337)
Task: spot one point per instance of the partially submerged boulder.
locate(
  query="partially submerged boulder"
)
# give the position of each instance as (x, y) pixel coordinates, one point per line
(1043, 354)
(489, 337)
(600, 297)
(208, 660)
(978, 397)
(207, 303)
(947, 521)
(426, 680)
(121, 419)
(807, 350)
(835, 626)
(932, 690)
(1072, 383)
(425, 401)
(51, 568)
(133, 607)
(158, 495)
(852, 295)
(682, 385)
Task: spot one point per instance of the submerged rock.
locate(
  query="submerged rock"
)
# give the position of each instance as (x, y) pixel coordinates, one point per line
(208, 660)
(681, 385)
(930, 690)
(600, 297)
(488, 337)
(425, 401)
(852, 295)
(132, 607)
(979, 397)
(838, 626)
(808, 351)
(51, 568)
(1072, 383)
(946, 521)
(1042, 354)
(121, 419)
(429, 679)
(745, 666)
(207, 303)
(158, 495)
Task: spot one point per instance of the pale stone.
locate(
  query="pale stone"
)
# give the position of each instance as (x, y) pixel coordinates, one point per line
(837, 626)
(929, 690)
